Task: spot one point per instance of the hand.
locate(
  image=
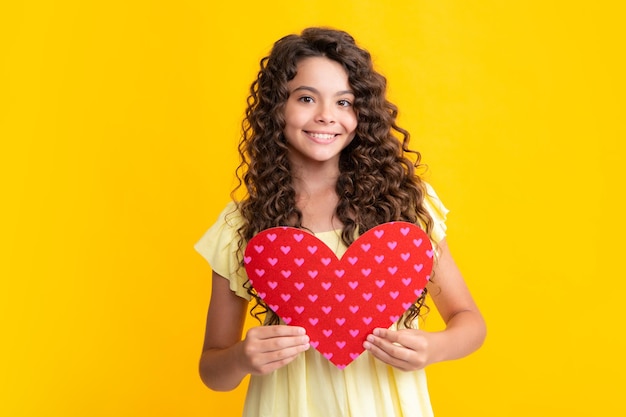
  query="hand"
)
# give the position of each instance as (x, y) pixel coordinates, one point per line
(405, 349)
(267, 348)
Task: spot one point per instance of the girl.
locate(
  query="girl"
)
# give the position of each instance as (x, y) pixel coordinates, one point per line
(320, 152)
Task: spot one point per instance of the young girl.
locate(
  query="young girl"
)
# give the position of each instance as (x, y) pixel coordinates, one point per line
(321, 151)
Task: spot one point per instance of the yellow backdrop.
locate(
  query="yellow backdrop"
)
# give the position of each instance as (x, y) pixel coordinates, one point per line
(118, 127)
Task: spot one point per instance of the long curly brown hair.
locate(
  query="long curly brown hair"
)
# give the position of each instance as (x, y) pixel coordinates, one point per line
(378, 181)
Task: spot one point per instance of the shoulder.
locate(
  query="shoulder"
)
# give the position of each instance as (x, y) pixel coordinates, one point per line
(220, 247)
(437, 210)
(229, 218)
(223, 232)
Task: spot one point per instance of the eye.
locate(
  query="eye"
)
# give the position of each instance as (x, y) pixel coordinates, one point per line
(306, 99)
(344, 103)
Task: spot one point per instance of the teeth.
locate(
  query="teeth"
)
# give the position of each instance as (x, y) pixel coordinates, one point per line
(322, 135)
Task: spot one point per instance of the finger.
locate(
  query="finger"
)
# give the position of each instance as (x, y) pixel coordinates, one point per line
(268, 355)
(286, 354)
(399, 344)
(274, 338)
(394, 336)
(272, 360)
(269, 332)
(380, 352)
(391, 347)
(285, 342)
(263, 340)
(408, 338)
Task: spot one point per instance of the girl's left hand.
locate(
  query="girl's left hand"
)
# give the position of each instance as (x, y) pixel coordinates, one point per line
(405, 349)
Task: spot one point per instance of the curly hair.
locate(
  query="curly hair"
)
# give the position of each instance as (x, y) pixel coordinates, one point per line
(377, 182)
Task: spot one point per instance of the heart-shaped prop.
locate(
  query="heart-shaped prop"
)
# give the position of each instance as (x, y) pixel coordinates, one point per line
(340, 301)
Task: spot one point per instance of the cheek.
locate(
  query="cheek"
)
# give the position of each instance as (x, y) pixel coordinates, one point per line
(294, 118)
(351, 123)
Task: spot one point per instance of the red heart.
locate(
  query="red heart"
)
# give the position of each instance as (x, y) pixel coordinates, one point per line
(340, 301)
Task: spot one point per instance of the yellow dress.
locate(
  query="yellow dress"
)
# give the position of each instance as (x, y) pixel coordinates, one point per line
(311, 386)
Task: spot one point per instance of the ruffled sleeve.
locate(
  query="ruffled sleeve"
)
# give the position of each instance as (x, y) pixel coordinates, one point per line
(437, 211)
(219, 247)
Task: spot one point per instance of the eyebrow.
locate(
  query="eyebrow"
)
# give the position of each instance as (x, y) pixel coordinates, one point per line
(316, 91)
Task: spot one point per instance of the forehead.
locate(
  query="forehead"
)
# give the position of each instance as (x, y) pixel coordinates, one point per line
(320, 71)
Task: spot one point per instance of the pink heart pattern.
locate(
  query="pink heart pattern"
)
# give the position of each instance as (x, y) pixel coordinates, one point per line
(340, 301)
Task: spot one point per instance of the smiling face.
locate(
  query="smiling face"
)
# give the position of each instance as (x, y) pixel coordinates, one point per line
(320, 119)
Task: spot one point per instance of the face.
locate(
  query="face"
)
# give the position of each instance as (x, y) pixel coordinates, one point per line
(320, 119)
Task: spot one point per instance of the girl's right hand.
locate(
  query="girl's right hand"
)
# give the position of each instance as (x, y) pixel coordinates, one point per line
(267, 348)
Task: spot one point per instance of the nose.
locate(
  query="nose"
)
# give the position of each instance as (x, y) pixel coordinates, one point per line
(325, 114)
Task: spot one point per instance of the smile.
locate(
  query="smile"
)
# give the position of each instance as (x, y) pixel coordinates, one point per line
(324, 137)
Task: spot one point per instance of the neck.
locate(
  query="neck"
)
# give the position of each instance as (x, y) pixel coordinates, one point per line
(314, 178)
(317, 199)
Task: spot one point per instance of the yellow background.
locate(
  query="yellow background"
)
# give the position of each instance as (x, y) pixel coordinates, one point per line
(118, 126)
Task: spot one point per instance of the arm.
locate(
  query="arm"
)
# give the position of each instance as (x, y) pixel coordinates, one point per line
(226, 359)
(465, 331)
